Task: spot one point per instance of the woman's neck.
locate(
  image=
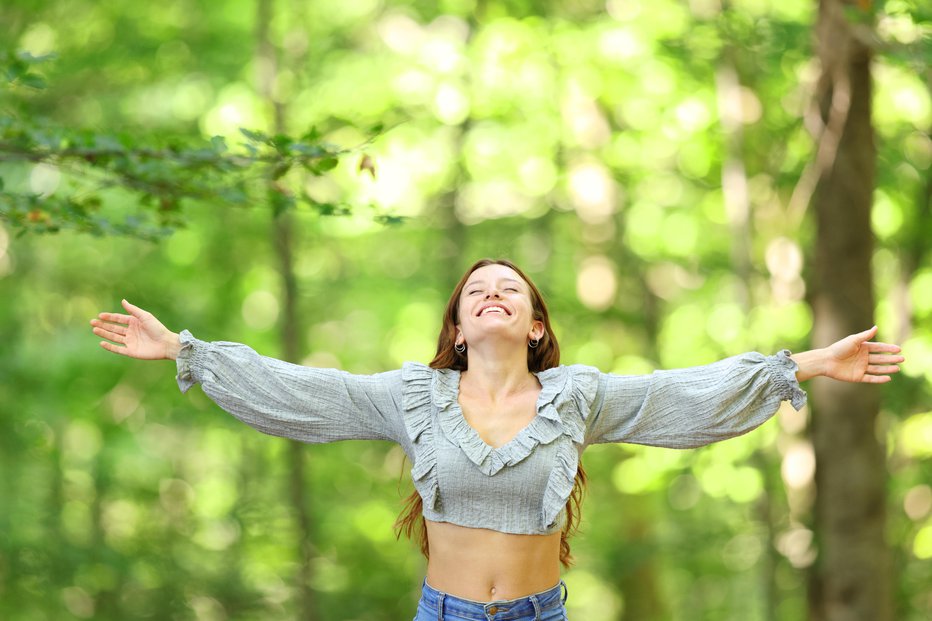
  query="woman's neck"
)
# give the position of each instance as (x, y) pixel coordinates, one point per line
(497, 376)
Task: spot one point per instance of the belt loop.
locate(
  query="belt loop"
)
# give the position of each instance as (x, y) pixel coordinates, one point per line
(536, 607)
(566, 591)
(440, 606)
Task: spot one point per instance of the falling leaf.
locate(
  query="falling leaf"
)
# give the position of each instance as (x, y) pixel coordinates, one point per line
(367, 164)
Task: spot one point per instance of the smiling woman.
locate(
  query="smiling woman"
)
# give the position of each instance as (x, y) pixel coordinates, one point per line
(495, 426)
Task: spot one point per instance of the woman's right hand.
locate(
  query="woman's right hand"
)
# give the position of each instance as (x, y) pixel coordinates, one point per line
(139, 334)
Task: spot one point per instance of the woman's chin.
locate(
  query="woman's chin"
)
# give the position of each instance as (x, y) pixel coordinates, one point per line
(498, 338)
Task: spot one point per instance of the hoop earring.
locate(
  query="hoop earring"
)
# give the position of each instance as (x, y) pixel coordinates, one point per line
(460, 347)
(533, 343)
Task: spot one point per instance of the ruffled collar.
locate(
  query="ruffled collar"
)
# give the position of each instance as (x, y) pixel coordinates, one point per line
(544, 428)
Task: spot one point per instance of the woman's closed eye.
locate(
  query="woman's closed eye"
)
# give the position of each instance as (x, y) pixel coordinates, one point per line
(509, 289)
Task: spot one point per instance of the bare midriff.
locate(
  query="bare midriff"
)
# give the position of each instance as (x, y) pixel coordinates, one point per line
(485, 565)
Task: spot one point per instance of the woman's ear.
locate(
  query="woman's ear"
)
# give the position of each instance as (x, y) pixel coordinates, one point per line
(537, 330)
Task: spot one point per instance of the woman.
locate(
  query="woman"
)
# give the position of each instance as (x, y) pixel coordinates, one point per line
(494, 426)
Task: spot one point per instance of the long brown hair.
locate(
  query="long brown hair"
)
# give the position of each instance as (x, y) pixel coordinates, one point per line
(545, 356)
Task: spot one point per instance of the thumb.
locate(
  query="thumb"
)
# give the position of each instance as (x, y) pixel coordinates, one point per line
(867, 334)
(135, 311)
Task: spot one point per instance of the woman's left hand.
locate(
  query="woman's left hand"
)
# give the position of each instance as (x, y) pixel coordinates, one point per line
(852, 359)
(856, 359)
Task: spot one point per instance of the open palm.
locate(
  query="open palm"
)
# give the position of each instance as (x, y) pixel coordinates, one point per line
(139, 334)
(855, 359)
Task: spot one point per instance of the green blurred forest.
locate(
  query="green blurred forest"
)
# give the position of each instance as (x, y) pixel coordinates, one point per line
(648, 162)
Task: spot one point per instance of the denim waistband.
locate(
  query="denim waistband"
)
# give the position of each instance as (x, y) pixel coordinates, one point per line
(500, 610)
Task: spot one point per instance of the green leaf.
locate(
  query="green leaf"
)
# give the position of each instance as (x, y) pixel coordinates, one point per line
(234, 195)
(280, 170)
(327, 163)
(281, 142)
(389, 220)
(17, 68)
(331, 209)
(33, 80)
(34, 60)
(312, 150)
(219, 144)
(107, 143)
(254, 136)
(280, 203)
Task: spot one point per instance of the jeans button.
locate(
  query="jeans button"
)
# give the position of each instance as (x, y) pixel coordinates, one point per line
(493, 610)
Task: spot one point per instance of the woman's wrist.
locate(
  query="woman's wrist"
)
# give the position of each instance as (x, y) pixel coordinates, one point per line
(172, 346)
(811, 363)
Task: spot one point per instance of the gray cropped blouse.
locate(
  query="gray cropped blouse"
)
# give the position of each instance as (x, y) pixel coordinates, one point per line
(521, 487)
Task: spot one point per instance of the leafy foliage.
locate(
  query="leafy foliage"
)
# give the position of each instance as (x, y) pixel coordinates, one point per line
(155, 174)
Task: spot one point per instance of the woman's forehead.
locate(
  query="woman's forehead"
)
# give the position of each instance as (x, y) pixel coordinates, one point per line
(494, 272)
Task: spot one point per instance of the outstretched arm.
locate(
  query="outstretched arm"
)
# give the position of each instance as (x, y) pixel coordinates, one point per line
(684, 408)
(139, 334)
(852, 359)
(273, 396)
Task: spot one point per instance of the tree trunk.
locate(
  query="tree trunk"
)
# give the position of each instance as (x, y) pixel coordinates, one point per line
(283, 241)
(850, 580)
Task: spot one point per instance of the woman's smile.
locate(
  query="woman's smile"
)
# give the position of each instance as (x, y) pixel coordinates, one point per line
(493, 308)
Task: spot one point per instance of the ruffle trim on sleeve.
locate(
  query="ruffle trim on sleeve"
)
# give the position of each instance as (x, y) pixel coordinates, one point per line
(188, 361)
(416, 402)
(783, 370)
(571, 403)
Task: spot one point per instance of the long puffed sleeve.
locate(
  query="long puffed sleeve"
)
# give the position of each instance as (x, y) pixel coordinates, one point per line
(283, 399)
(691, 407)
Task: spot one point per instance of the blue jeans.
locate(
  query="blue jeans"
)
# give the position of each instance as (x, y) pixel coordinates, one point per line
(544, 606)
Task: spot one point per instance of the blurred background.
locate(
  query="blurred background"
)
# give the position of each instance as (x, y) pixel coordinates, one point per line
(656, 166)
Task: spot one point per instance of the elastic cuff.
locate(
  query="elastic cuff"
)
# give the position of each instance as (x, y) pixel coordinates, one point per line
(187, 361)
(783, 369)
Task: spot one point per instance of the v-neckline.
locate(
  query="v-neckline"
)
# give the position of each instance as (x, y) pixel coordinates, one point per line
(546, 426)
(476, 436)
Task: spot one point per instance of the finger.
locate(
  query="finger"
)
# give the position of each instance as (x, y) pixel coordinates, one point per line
(875, 379)
(135, 311)
(885, 359)
(114, 317)
(114, 348)
(119, 328)
(882, 370)
(107, 334)
(889, 347)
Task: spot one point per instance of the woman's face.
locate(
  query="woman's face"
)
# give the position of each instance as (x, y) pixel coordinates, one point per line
(496, 302)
